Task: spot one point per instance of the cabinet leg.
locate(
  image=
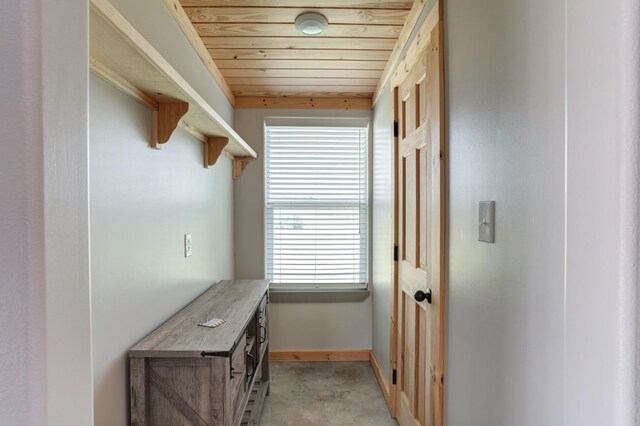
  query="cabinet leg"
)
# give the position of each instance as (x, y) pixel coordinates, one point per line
(139, 391)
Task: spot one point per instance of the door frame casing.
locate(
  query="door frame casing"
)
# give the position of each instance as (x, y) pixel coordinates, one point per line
(435, 17)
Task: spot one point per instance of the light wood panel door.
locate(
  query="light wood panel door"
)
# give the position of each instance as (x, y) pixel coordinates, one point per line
(420, 290)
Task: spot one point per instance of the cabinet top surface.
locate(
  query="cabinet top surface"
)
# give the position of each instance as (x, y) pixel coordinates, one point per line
(181, 336)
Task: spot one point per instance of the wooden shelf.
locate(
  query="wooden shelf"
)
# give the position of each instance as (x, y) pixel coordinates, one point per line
(123, 58)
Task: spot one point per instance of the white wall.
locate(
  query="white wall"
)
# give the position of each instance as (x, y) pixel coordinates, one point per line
(544, 119)
(382, 230)
(143, 201)
(45, 346)
(294, 326)
(22, 295)
(505, 87)
(65, 93)
(603, 122)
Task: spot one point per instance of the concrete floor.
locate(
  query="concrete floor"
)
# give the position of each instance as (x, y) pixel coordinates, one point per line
(324, 393)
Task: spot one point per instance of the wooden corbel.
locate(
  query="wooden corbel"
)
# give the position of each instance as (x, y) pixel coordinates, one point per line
(239, 164)
(213, 149)
(166, 119)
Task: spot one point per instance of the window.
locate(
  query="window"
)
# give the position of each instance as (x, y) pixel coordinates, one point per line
(316, 195)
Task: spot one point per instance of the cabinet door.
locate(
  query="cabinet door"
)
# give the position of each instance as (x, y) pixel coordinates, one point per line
(178, 392)
(238, 382)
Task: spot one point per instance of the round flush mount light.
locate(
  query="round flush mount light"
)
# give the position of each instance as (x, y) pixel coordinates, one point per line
(311, 23)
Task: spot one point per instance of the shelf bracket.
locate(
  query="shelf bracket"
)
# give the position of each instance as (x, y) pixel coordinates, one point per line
(166, 119)
(213, 149)
(239, 164)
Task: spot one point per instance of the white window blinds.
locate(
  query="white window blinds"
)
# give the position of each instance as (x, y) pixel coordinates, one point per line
(316, 195)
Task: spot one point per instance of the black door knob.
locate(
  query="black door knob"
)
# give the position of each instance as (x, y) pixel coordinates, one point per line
(421, 296)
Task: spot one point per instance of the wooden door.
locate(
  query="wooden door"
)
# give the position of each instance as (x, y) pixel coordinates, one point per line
(420, 222)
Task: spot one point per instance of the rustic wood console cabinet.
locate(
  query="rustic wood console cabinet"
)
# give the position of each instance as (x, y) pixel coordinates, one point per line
(184, 374)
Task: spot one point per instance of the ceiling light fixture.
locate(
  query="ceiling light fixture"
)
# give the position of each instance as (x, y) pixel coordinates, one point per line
(311, 23)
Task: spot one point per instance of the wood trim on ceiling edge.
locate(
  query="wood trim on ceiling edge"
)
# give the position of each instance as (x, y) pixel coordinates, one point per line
(190, 32)
(304, 103)
(416, 49)
(403, 40)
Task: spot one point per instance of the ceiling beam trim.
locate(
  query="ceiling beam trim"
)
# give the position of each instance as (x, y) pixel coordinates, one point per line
(307, 103)
(317, 54)
(403, 39)
(306, 73)
(300, 64)
(289, 30)
(298, 43)
(352, 4)
(268, 15)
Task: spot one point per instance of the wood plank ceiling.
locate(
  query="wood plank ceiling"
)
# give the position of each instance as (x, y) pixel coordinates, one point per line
(262, 56)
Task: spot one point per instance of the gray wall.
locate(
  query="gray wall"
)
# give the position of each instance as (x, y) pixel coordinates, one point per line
(505, 86)
(382, 230)
(294, 326)
(143, 201)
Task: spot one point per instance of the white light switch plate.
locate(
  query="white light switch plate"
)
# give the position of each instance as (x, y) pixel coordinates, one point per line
(486, 221)
(187, 245)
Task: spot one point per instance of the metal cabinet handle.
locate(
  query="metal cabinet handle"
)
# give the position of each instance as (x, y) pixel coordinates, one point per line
(263, 336)
(253, 365)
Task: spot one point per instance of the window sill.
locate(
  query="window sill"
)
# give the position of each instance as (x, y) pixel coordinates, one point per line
(295, 295)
